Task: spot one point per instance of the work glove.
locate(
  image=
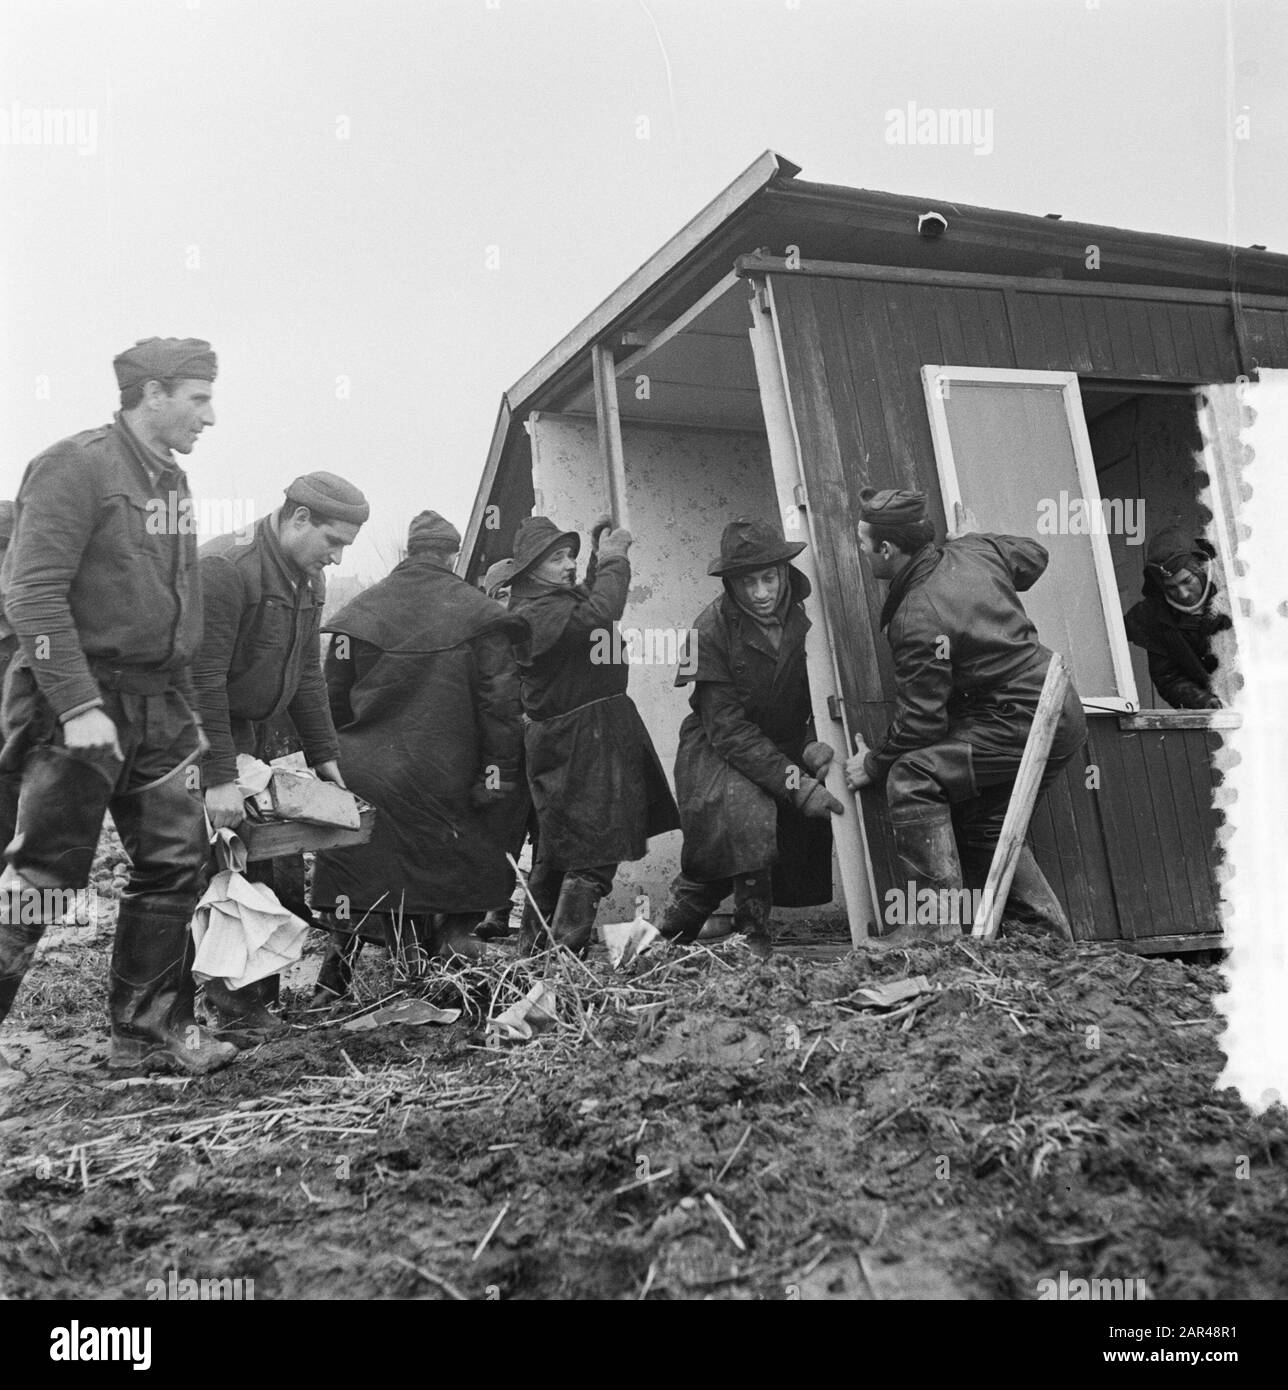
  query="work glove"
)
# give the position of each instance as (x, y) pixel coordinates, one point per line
(814, 800)
(615, 544)
(816, 758)
(484, 798)
(601, 524)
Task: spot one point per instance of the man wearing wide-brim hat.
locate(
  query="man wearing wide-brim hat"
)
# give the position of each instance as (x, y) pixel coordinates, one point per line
(597, 785)
(101, 588)
(969, 672)
(263, 593)
(755, 812)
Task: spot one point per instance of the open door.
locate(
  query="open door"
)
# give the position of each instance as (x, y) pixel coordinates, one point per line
(831, 722)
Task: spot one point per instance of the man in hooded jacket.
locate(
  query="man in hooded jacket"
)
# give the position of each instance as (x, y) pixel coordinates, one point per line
(425, 699)
(748, 772)
(597, 785)
(969, 672)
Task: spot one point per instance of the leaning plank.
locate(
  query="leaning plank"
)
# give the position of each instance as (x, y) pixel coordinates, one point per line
(1024, 797)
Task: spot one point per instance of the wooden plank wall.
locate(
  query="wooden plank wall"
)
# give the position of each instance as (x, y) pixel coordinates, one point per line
(1136, 858)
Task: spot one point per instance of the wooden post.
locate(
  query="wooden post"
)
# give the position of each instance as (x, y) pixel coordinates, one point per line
(610, 431)
(1024, 796)
(858, 885)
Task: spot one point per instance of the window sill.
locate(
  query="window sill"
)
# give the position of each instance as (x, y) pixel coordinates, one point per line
(1181, 719)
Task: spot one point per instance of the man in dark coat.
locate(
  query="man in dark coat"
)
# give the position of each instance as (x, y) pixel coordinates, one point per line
(101, 589)
(748, 770)
(969, 671)
(1177, 618)
(596, 782)
(260, 656)
(425, 696)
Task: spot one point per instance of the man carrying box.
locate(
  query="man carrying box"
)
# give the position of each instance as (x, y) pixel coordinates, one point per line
(260, 654)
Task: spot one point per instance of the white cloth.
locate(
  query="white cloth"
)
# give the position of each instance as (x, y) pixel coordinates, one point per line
(242, 932)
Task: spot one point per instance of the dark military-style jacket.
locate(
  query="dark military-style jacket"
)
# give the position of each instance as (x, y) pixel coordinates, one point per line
(261, 651)
(101, 568)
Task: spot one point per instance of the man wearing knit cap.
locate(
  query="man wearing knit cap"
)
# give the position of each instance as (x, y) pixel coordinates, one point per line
(102, 595)
(596, 782)
(260, 656)
(424, 691)
(969, 671)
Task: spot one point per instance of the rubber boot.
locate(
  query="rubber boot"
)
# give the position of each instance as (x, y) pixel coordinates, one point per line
(682, 921)
(335, 978)
(573, 923)
(151, 995)
(18, 942)
(533, 937)
(455, 938)
(752, 907)
(1033, 900)
(495, 925)
(11, 1079)
(926, 855)
(244, 1011)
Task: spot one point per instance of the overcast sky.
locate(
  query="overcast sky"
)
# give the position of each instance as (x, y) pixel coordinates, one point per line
(319, 188)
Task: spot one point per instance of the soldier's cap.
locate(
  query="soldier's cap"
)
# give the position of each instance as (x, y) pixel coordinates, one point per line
(164, 359)
(535, 538)
(498, 576)
(750, 544)
(329, 496)
(891, 506)
(430, 531)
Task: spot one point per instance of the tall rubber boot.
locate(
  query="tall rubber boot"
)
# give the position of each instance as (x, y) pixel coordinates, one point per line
(455, 937)
(1033, 899)
(495, 925)
(18, 941)
(753, 905)
(335, 978)
(687, 909)
(926, 855)
(17, 947)
(151, 995)
(245, 1011)
(573, 924)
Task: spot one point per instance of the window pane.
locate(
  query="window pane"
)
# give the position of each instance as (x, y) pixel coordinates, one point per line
(1014, 457)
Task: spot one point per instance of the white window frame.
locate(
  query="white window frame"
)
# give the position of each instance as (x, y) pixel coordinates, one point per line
(932, 375)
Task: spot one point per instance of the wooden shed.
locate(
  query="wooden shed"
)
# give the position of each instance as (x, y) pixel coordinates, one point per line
(797, 342)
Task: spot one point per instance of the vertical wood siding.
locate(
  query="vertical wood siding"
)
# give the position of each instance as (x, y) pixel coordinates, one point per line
(1135, 858)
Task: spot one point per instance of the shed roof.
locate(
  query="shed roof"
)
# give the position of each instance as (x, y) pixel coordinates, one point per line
(769, 207)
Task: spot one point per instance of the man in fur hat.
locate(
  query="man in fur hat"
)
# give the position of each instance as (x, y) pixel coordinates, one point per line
(748, 772)
(969, 671)
(1177, 618)
(596, 782)
(260, 655)
(425, 696)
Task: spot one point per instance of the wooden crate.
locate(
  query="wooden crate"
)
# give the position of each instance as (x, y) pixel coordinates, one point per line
(269, 838)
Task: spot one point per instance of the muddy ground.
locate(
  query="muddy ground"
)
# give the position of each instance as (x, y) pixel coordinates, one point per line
(697, 1126)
